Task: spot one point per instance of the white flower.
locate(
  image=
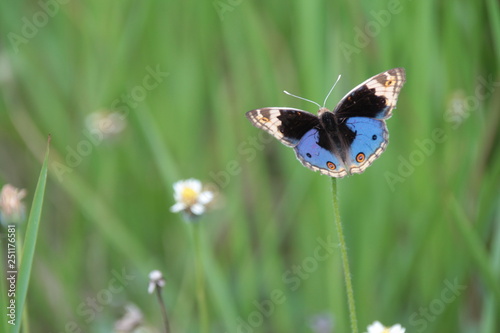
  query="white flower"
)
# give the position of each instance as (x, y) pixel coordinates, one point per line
(11, 207)
(377, 327)
(156, 280)
(190, 197)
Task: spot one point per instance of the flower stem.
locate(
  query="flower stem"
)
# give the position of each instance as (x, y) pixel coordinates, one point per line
(345, 260)
(163, 310)
(200, 280)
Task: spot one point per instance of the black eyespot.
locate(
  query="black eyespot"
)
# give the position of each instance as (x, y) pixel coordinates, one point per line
(308, 155)
(374, 137)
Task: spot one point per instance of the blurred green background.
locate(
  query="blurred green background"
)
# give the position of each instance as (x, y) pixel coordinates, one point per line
(422, 223)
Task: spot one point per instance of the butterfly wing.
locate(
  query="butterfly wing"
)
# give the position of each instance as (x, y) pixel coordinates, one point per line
(314, 151)
(285, 124)
(370, 141)
(364, 110)
(302, 131)
(374, 98)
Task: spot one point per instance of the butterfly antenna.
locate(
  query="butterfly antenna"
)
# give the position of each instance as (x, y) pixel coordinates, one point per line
(329, 93)
(302, 98)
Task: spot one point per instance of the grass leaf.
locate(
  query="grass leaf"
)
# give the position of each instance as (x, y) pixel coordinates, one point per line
(28, 251)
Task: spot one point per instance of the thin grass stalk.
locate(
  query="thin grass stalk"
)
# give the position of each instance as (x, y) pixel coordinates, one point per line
(200, 279)
(345, 260)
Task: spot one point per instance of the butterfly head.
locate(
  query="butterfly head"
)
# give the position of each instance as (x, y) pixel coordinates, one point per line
(322, 110)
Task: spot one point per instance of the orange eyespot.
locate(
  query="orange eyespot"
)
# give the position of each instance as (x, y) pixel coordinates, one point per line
(264, 119)
(389, 83)
(360, 157)
(331, 165)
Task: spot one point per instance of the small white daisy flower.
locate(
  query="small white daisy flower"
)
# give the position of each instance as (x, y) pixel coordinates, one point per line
(377, 327)
(190, 197)
(156, 280)
(12, 209)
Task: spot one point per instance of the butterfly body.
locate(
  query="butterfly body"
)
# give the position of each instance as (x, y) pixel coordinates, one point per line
(343, 141)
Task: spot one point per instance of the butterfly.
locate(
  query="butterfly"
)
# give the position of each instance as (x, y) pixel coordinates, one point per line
(340, 142)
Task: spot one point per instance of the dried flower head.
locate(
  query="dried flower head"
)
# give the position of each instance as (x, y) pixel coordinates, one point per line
(156, 280)
(12, 209)
(191, 198)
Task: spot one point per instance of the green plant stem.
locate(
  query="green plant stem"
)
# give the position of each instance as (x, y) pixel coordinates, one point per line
(200, 279)
(345, 260)
(163, 310)
(28, 252)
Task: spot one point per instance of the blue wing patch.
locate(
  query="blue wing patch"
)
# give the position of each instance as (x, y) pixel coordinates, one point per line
(370, 141)
(317, 158)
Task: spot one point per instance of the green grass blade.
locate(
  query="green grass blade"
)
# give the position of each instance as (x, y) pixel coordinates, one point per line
(28, 252)
(494, 15)
(477, 249)
(161, 152)
(490, 313)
